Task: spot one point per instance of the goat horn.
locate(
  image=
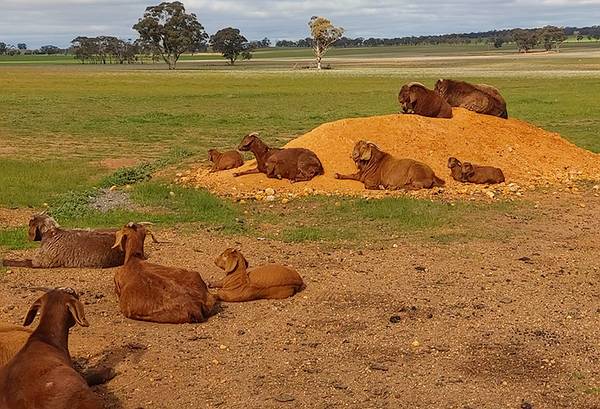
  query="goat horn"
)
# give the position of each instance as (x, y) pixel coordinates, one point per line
(145, 223)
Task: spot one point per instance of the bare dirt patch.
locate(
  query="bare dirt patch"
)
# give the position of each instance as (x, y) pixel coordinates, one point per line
(15, 217)
(529, 156)
(477, 324)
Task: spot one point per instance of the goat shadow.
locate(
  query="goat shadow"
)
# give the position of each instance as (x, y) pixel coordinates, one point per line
(109, 359)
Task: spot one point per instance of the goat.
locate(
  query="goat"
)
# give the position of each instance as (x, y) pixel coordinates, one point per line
(480, 98)
(380, 170)
(41, 374)
(416, 98)
(151, 292)
(483, 175)
(271, 281)
(295, 164)
(69, 248)
(224, 160)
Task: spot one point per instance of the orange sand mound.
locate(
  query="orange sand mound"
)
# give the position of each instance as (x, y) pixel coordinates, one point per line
(529, 156)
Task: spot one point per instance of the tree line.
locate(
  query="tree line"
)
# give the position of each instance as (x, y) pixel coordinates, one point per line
(496, 38)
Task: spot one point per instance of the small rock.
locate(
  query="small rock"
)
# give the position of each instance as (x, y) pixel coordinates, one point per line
(416, 344)
(284, 398)
(513, 187)
(339, 386)
(172, 194)
(526, 405)
(597, 187)
(394, 319)
(270, 198)
(242, 201)
(285, 200)
(490, 194)
(269, 191)
(376, 366)
(222, 347)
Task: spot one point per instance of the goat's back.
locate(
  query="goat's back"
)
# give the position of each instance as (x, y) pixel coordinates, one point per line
(39, 376)
(274, 275)
(79, 248)
(151, 292)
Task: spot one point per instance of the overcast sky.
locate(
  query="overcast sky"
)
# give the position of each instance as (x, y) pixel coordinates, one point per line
(57, 22)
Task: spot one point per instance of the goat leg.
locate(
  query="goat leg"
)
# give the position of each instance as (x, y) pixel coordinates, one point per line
(246, 172)
(17, 263)
(94, 377)
(354, 176)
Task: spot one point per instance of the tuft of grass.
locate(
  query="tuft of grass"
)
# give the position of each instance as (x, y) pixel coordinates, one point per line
(144, 171)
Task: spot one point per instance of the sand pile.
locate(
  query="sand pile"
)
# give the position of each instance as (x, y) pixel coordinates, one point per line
(529, 156)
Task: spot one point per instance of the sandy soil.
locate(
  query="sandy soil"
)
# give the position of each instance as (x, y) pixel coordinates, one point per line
(529, 156)
(511, 323)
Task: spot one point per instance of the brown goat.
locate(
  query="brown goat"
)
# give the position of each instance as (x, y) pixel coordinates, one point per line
(151, 292)
(380, 170)
(41, 374)
(271, 281)
(480, 98)
(224, 160)
(295, 164)
(455, 167)
(469, 173)
(416, 98)
(483, 175)
(69, 247)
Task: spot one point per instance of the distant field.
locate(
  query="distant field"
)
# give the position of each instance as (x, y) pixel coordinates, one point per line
(304, 53)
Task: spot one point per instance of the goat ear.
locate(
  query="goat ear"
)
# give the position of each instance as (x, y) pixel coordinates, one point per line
(366, 152)
(76, 309)
(119, 240)
(232, 261)
(35, 307)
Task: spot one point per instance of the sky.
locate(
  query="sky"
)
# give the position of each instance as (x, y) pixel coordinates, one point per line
(57, 22)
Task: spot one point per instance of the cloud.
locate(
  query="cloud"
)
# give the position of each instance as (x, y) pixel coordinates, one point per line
(39, 22)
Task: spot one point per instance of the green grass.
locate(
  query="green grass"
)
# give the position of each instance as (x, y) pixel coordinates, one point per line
(29, 183)
(15, 239)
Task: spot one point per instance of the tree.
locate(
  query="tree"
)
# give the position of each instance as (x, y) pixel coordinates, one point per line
(324, 34)
(171, 31)
(552, 37)
(3, 48)
(22, 46)
(50, 49)
(525, 39)
(231, 44)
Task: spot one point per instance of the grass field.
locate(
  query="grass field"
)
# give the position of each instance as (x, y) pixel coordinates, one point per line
(59, 122)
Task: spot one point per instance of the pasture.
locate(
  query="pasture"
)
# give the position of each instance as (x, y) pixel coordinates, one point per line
(409, 302)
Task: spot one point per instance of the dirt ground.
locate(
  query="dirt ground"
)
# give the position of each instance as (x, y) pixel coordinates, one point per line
(476, 324)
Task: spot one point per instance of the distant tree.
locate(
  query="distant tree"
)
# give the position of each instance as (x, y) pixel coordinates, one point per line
(22, 46)
(498, 42)
(525, 39)
(50, 49)
(552, 37)
(231, 44)
(324, 34)
(170, 30)
(579, 37)
(3, 48)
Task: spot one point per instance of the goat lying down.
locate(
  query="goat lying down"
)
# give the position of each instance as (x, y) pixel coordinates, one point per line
(151, 292)
(469, 173)
(380, 170)
(69, 247)
(271, 281)
(41, 375)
